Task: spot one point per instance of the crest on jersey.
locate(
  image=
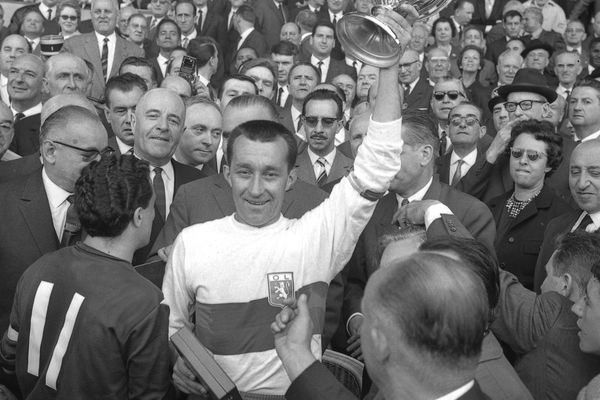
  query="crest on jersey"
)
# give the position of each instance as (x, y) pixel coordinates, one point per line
(281, 287)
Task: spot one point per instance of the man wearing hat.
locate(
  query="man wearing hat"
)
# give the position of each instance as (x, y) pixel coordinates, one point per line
(528, 97)
(537, 56)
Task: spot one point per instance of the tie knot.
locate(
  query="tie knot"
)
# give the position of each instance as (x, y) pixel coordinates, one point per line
(71, 198)
(158, 170)
(444, 134)
(105, 40)
(460, 162)
(19, 116)
(404, 202)
(321, 161)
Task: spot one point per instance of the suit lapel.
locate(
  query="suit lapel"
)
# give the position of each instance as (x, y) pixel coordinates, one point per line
(222, 195)
(305, 170)
(119, 56)
(36, 213)
(92, 50)
(339, 168)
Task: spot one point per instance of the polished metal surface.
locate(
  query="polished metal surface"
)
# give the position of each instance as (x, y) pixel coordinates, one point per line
(369, 40)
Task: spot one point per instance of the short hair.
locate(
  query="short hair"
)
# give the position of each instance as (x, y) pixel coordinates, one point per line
(246, 13)
(442, 20)
(202, 51)
(473, 28)
(50, 61)
(264, 131)
(511, 14)
(260, 62)
(418, 128)
(193, 100)
(437, 307)
(285, 48)
(32, 10)
(333, 88)
(321, 23)
(62, 117)
(138, 62)
(167, 20)
(305, 64)
(544, 132)
(238, 77)
(71, 4)
(306, 20)
(125, 83)
(467, 48)
(470, 104)
(135, 15)
(594, 41)
(324, 95)
(391, 233)
(577, 253)
(536, 12)
(475, 255)
(186, 2)
(591, 83)
(109, 191)
(509, 53)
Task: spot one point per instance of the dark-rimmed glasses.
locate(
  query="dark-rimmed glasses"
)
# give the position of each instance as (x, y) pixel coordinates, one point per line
(452, 95)
(86, 154)
(68, 17)
(468, 120)
(532, 155)
(523, 105)
(327, 122)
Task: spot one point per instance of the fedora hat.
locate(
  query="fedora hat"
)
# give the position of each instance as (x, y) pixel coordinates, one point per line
(494, 101)
(529, 80)
(535, 45)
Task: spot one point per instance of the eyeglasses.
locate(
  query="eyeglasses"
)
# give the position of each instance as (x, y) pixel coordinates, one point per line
(87, 154)
(68, 17)
(523, 105)
(407, 65)
(532, 155)
(327, 122)
(458, 119)
(452, 95)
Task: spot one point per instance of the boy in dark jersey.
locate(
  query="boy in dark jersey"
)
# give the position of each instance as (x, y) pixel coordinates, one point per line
(84, 323)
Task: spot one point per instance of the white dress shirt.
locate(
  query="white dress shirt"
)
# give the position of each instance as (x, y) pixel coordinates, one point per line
(192, 35)
(593, 136)
(577, 49)
(562, 91)
(37, 109)
(57, 200)
(324, 67)
(448, 141)
(4, 90)
(593, 227)
(162, 64)
(350, 62)
(168, 176)
(123, 148)
(455, 394)
(468, 162)
(418, 196)
(338, 16)
(328, 161)
(296, 114)
(112, 44)
(44, 10)
(243, 37)
(285, 92)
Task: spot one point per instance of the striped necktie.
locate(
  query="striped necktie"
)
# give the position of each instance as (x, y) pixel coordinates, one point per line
(104, 59)
(322, 174)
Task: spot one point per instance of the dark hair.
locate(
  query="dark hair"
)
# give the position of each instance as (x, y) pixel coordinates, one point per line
(471, 104)
(542, 131)
(587, 82)
(470, 47)
(324, 23)
(108, 193)
(138, 62)
(460, 3)
(419, 129)
(324, 95)
(477, 257)
(238, 77)
(437, 307)
(265, 132)
(260, 62)
(125, 83)
(511, 14)
(285, 48)
(306, 20)
(246, 13)
(577, 253)
(593, 42)
(305, 64)
(135, 15)
(442, 20)
(168, 21)
(202, 51)
(186, 2)
(474, 28)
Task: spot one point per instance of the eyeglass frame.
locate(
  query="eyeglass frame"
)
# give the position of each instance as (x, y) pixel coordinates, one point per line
(465, 119)
(508, 105)
(324, 121)
(456, 93)
(96, 152)
(529, 153)
(68, 17)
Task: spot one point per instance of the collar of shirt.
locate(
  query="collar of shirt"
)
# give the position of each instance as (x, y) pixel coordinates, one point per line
(37, 109)
(456, 394)
(315, 61)
(313, 9)
(305, 35)
(245, 34)
(56, 195)
(469, 159)
(577, 49)
(9, 156)
(162, 61)
(413, 84)
(192, 35)
(44, 9)
(417, 196)
(3, 80)
(203, 80)
(296, 114)
(594, 216)
(338, 15)
(593, 136)
(590, 69)
(112, 39)
(328, 158)
(168, 173)
(561, 90)
(123, 148)
(34, 42)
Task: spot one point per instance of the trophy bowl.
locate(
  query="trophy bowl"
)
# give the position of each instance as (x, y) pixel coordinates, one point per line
(369, 40)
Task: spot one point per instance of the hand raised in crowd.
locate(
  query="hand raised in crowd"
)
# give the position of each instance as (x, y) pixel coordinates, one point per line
(413, 213)
(164, 252)
(498, 145)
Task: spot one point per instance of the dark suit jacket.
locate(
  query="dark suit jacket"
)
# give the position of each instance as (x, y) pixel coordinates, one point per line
(341, 166)
(479, 18)
(27, 235)
(183, 174)
(317, 383)
(258, 42)
(552, 38)
(443, 168)
(543, 330)
(337, 67)
(472, 213)
(556, 227)
(305, 49)
(27, 135)
(420, 97)
(269, 20)
(86, 47)
(495, 48)
(20, 167)
(157, 71)
(518, 247)
(214, 26)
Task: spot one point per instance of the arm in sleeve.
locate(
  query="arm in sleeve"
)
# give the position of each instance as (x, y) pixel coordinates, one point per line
(475, 182)
(317, 383)
(148, 356)
(8, 344)
(480, 222)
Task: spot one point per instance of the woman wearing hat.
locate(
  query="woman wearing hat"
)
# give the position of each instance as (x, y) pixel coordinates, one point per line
(522, 213)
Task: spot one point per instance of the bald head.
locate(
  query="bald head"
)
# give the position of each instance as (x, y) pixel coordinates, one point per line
(62, 100)
(178, 85)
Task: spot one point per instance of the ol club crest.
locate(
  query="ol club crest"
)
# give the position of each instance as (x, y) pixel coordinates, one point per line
(281, 287)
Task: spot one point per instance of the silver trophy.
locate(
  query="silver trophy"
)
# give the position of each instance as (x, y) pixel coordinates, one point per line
(369, 40)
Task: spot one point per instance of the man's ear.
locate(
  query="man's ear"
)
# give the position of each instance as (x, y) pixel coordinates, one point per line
(382, 347)
(482, 131)
(546, 111)
(568, 287)
(227, 174)
(428, 155)
(292, 177)
(45, 88)
(48, 150)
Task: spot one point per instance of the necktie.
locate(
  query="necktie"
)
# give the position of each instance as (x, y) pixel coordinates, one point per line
(299, 125)
(279, 94)
(587, 220)
(104, 59)
(334, 20)
(199, 23)
(49, 14)
(406, 90)
(567, 93)
(184, 42)
(458, 172)
(153, 23)
(321, 172)
(443, 143)
(320, 67)
(19, 116)
(281, 12)
(404, 202)
(460, 32)
(355, 66)
(489, 4)
(159, 191)
(72, 229)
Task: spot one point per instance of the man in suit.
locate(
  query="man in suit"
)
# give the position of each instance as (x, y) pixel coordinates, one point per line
(322, 42)
(230, 42)
(567, 67)
(575, 40)
(122, 94)
(512, 23)
(306, 20)
(401, 362)
(322, 162)
(487, 13)
(537, 56)
(284, 54)
(417, 90)
(302, 79)
(270, 17)
(102, 48)
(509, 62)
(140, 67)
(447, 94)
(244, 22)
(185, 12)
(416, 181)
(334, 11)
(290, 32)
(213, 24)
(32, 29)
(12, 47)
(533, 20)
(159, 10)
(207, 63)
(35, 206)
(158, 124)
(168, 35)
(25, 91)
(137, 31)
